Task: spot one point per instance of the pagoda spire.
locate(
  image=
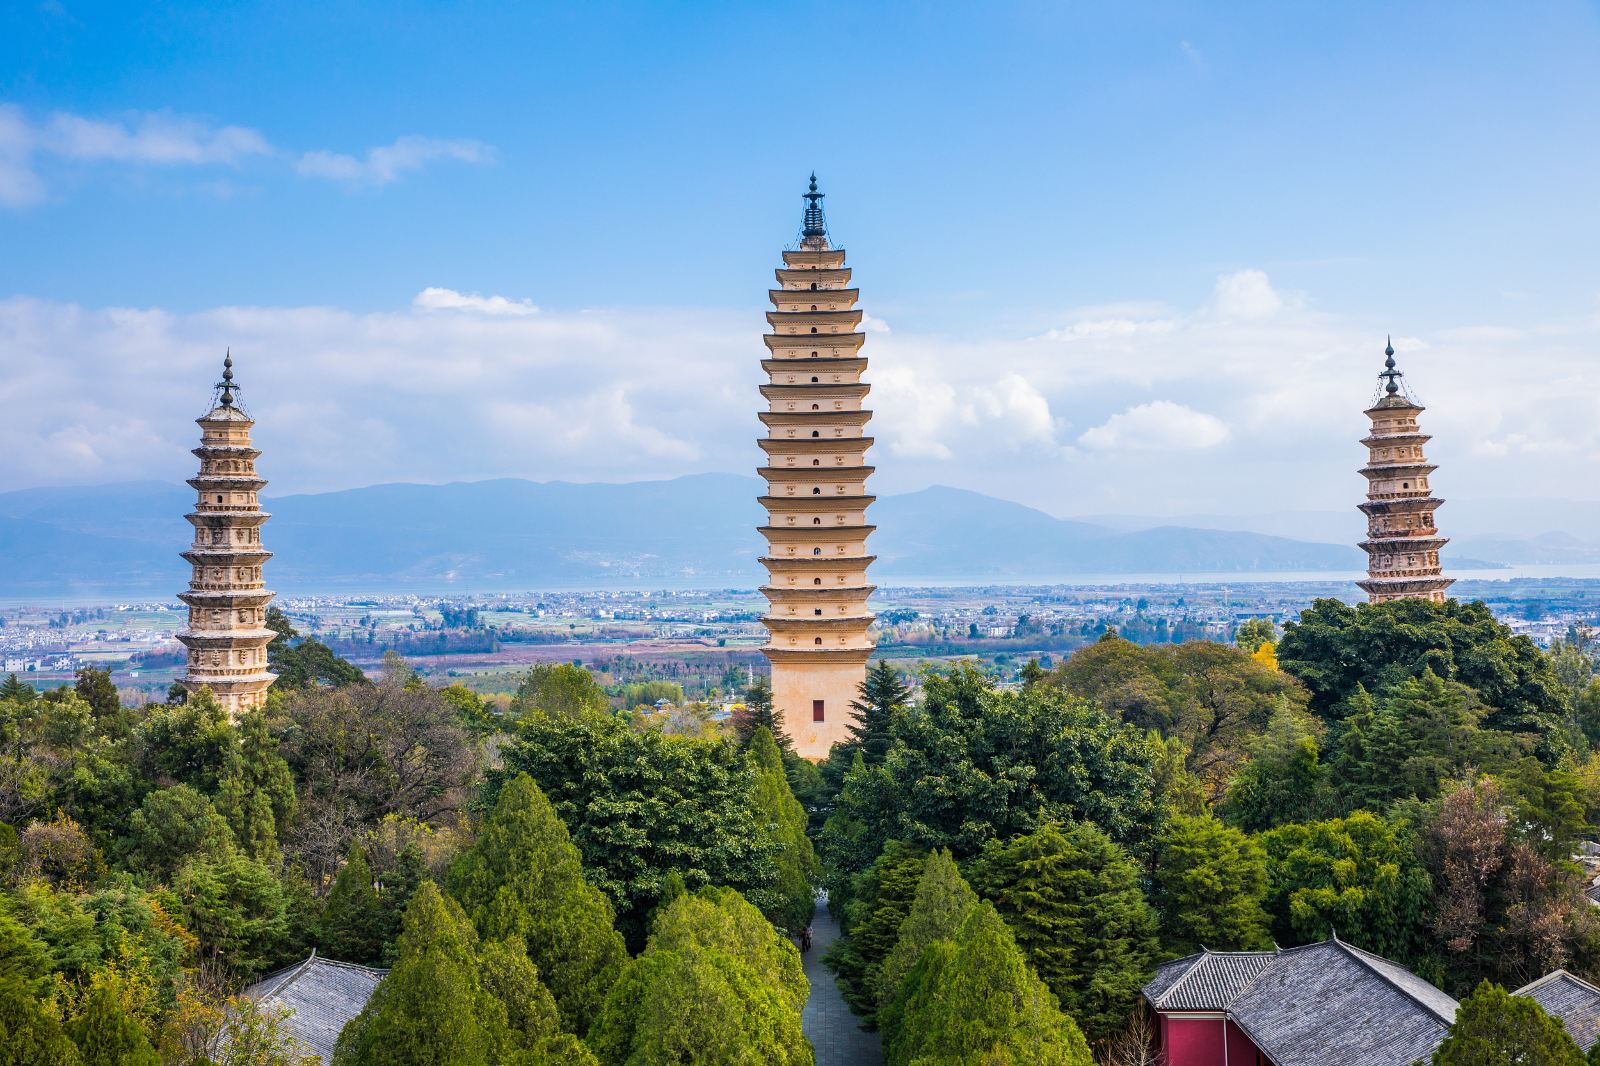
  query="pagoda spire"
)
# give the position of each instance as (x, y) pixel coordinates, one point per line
(1402, 542)
(818, 623)
(814, 226)
(227, 634)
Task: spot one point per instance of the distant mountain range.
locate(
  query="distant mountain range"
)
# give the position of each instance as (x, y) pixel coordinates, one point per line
(123, 540)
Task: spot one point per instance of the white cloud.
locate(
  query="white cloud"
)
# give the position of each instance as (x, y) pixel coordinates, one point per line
(159, 138)
(386, 163)
(872, 324)
(30, 147)
(1245, 296)
(1157, 426)
(437, 299)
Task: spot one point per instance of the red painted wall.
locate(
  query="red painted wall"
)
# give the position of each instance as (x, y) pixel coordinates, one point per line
(1199, 1042)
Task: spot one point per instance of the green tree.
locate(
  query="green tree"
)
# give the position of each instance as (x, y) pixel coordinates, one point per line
(1420, 733)
(256, 789)
(780, 813)
(96, 689)
(871, 920)
(973, 763)
(105, 1034)
(172, 826)
(976, 1001)
(238, 910)
(523, 878)
(1209, 886)
(606, 781)
(1072, 899)
(187, 744)
(714, 985)
(883, 697)
(305, 663)
(559, 690)
(1334, 648)
(30, 1035)
(16, 691)
(432, 1009)
(1495, 1028)
(759, 714)
(1284, 779)
(1254, 632)
(938, 911)
(512, 978)
(353, 922)
(1358, 876)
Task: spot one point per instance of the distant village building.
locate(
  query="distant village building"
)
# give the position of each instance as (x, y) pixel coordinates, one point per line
(1402, 542)
(816, 500)
(319, 998)
(227, 636)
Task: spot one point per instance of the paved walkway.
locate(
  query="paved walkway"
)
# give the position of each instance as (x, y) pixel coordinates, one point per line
(828, 1024)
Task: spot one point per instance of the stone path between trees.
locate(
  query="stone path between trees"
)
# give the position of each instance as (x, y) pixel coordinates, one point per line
(827, 1022)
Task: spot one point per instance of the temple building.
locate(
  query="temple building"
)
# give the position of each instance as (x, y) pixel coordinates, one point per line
(816, 471)
(227, 635)
(1402, 542)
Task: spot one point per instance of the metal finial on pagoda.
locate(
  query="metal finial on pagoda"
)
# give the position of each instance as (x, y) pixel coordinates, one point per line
(226, 385)
(815, 225)
(1389, 374)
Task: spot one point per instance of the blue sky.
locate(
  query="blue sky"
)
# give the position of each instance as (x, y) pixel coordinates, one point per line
(1199, 219)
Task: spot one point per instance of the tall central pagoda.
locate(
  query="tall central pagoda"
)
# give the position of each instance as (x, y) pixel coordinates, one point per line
(816, 472)
(1402, 542)
(227, 635)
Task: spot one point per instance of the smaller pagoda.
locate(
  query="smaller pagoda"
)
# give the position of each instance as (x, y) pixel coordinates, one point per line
(227, 634)
(1402, 542)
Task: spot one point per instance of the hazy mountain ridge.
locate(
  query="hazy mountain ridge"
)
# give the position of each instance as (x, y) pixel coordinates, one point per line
(124, 540)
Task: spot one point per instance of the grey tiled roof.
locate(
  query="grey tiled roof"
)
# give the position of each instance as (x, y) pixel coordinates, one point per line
(1575, 1001)
(321, 995)
(1327, 1004)
(1208, 981)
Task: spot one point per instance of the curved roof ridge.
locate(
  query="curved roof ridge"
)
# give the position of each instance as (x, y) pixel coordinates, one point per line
(1556, 975)
(1201, 958)
(1367, 958)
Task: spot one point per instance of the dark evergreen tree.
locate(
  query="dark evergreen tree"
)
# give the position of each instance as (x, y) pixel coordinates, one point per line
(883, 697)
(1072, 899)
(759, 714)
(939, 911)
(256, 789)
(432, 1008)
(173, 826)
(1210, 883)
(16, 691)
(1495, 1028)
(879, 903)
(523, 878)
(305, 662)
(975, 1000)
(95, 688)
(781, 814)
(353, 921)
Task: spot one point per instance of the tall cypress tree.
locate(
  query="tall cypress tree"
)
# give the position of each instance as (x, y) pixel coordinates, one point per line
(777, 809)
(351, 928)
(759, 714)
(1072, 899)
(881, 899)
(940, 909)
(256, 790)
(106, 1035)
(15, 691)
(432, 1007)
(1210, 882)
(976, 1000)
(523, 878)
(29, 1032)
(883, 697)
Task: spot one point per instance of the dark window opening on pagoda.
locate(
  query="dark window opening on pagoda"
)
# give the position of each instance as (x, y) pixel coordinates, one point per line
(816, 581)
(816, 551)
(813, 379)
(816, 610)
(816, 407)
(813, 329)
(813, 284)
(816, 521)
(816, 462)
(813, 307)
(816, 640)
(814, 433)
(816, 705)
(816, 492)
